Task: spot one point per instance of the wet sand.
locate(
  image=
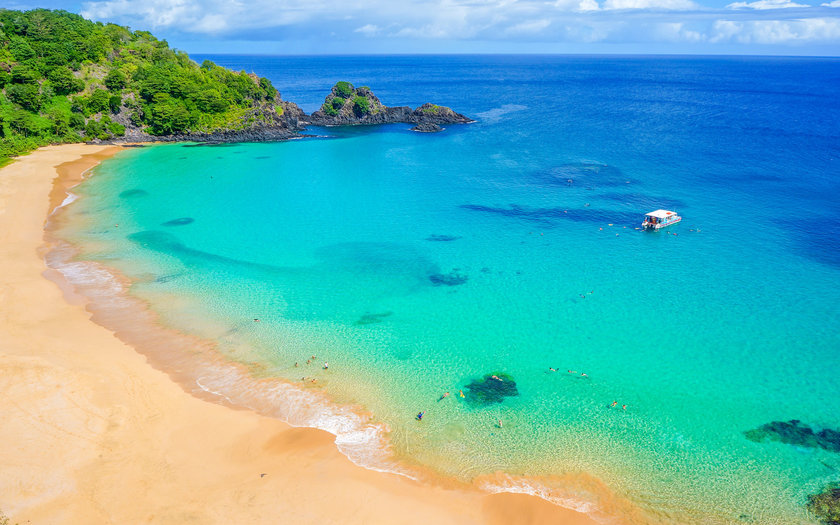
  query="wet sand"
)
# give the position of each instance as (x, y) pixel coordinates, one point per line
(92, 433)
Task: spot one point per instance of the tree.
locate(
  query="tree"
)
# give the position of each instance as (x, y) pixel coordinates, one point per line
(361, 106)
(115, 80)
(64, 82)
(24, 94)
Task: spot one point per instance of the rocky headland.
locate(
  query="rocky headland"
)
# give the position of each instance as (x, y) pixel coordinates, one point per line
(282, 120)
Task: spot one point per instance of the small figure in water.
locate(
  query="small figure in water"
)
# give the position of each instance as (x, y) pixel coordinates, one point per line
(571, 371)
(296, 364)
(623, 407)
(552, 369)
(326, 365)
(497, 378)
(420, 415)
(582, 374)
(500, 423)
(444, 396)
(614, 403)
(461, 393)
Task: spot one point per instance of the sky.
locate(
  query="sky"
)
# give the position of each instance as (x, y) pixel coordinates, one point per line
(295, 27)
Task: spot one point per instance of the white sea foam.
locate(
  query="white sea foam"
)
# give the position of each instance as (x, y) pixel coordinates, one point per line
(491, 116)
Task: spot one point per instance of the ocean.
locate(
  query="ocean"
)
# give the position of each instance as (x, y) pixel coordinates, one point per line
(637, 374)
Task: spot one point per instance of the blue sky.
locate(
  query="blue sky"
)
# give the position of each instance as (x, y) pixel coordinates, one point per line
(779, 27)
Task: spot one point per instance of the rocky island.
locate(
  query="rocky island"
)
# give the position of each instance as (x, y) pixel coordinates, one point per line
(348, 106)
(66, 79)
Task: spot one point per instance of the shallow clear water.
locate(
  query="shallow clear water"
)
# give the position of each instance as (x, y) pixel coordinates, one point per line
(335, 245)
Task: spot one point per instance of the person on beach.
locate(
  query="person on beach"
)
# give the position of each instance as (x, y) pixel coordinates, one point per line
(420, 415)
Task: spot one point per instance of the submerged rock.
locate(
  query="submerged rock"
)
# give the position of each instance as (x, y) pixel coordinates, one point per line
(181, 221)
(130, 194)
(427, 127)
(453, 278)
(442, 238)
(491, 389)
(373, 318)
(794, 432)
(826, 504)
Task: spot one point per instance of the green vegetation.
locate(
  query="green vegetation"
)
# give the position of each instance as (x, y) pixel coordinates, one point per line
(67, 79)
(343, 89)
(361, 106)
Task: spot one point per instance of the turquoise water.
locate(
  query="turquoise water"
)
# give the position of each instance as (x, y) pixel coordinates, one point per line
(337, 247)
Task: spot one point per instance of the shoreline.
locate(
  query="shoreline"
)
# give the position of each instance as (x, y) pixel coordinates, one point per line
(96, 434)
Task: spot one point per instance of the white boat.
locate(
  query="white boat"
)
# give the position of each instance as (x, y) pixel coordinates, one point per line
(660, 219)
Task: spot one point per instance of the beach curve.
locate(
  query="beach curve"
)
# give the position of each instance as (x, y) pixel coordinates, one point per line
(94, 434)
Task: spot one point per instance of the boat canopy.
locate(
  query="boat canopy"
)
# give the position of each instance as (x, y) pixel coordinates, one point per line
(660, 214)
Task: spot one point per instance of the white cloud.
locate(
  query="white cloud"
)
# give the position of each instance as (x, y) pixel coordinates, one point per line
(765, 4)
(551, 21)
(802, 31)
(368, 30)
(529, 27)
(678, 5)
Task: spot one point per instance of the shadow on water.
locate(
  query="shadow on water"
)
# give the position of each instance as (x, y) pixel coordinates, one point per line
(550, 216)
(818, 237)
(583, 174)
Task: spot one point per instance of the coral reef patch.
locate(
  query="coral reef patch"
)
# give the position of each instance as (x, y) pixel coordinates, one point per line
(826, 504)
(794, 432)
(130, 194)
(442, 238)
(373, 318)
(453, 278)
(181, 221)
(491, 389)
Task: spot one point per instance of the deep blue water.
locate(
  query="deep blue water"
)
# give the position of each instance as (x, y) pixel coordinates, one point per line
(714, 327)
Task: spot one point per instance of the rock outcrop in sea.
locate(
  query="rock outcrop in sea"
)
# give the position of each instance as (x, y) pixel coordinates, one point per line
(347, 105)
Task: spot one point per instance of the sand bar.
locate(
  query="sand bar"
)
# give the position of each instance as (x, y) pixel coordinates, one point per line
(91, 433)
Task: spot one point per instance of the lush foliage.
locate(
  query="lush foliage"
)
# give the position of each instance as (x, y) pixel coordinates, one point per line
(67, 79)
(361, 106)
(343, 89)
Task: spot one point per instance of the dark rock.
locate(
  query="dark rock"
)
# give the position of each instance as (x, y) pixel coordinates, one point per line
(442, 238)
(826, 504)
(452, 278)
(181, 221)
(794, 432)
(427, 127)
(373, 318)
(130, 194)
(341, 109)
(491, 389)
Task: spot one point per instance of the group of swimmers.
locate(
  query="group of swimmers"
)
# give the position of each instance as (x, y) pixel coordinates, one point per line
(309, 362)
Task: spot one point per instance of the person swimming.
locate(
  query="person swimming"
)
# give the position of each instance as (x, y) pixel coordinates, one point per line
(420, 415)
(461, 393)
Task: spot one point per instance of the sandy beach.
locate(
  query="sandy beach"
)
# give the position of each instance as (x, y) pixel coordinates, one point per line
(92, 433)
